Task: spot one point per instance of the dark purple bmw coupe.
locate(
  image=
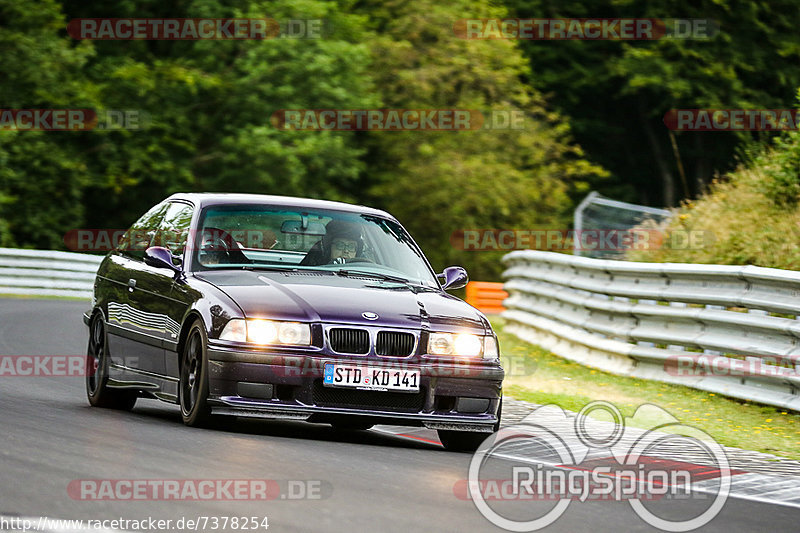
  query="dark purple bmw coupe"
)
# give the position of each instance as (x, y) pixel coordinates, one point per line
(289, 308)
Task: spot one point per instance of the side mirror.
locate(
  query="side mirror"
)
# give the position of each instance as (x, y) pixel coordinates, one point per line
(160, 257)
(454, 277)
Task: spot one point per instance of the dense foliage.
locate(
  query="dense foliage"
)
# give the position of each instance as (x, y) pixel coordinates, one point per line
(208, 105)
(752, 216)
(616, 92)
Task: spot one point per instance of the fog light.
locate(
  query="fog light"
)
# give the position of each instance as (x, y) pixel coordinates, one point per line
(472, 405)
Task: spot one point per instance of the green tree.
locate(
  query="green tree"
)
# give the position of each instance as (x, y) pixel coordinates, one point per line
(616, 92)
(440, 182)
(41, 174)
(210, 104)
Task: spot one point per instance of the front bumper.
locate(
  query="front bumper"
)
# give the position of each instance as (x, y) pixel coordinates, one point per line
(452, 395)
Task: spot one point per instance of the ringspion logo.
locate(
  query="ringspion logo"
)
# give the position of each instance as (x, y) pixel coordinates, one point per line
(551, 456)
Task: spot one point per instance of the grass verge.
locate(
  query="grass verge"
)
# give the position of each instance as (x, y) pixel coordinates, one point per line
(43, 297)
(536, 375)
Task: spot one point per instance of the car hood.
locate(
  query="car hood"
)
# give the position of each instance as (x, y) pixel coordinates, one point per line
(323, 297)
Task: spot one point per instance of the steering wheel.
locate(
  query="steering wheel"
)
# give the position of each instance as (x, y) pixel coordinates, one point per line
(342, 260)
(222, 246)
(359, 260)
(214, 250)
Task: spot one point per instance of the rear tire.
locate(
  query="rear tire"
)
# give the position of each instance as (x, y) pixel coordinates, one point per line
(97, 365)
(193, 386)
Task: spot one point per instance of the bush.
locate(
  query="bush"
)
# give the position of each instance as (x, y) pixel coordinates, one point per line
(782, 170)
(750, 216)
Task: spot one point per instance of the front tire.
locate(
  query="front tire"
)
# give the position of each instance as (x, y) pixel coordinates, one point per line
(467, 441)
(461, 441)
(97, 365)
(351, 425)
(193, 387)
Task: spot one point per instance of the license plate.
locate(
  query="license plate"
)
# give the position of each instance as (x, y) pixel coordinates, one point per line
(366, 377)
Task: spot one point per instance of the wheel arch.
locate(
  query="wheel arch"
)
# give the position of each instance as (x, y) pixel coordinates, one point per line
(191, 316)
(98, 310)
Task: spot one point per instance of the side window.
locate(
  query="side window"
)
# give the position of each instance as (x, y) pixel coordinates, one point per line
(138, 237)
(174, 228)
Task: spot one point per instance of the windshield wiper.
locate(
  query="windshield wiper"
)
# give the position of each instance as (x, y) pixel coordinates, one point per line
(384, 277)
(280, 268)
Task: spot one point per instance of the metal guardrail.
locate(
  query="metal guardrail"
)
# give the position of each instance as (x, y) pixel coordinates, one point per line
(630, 318)
(648, 319)
(47, 273)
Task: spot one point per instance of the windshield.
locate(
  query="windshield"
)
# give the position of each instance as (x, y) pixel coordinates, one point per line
(265, 237)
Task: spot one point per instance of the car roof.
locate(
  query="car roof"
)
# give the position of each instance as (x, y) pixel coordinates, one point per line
(206, 199)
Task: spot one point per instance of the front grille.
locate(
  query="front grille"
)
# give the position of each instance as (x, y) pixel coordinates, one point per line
(394, 343)
(345, 340)
(390, 401)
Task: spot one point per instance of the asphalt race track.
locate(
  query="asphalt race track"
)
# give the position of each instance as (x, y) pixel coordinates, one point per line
(360, 481)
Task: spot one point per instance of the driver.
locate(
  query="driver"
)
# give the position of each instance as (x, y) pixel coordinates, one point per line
(342, 241)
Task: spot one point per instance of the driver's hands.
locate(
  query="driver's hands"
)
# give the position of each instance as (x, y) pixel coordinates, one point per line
(342, 260)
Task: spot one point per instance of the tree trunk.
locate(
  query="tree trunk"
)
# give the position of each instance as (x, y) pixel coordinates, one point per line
(667, 180)
(700, 168)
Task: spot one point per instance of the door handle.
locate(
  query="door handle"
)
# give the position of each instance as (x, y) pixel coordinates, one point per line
(131, 284)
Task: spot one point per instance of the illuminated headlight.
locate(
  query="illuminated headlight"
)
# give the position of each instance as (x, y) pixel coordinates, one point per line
(465, 344)
(260, 331)
(468, 344)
